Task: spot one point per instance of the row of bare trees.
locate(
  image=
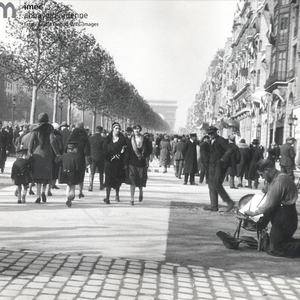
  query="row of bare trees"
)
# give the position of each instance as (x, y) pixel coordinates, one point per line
(45, 51)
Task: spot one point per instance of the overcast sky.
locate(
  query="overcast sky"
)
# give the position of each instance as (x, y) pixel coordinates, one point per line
(162, 47)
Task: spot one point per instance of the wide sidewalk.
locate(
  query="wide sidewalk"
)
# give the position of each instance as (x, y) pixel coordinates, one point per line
(98, 251)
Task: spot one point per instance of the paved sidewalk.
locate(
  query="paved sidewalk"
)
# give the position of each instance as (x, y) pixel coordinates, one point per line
(98, 251)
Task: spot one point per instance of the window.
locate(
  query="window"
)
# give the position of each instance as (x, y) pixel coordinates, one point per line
(294, 57)
(283, 34)
(281, 65)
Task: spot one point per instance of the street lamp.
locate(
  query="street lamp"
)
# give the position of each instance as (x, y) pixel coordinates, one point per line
(293, 122)
(14, 101)
(61, 105)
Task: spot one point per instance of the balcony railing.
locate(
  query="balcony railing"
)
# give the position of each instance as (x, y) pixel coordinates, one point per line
(291, 74)
(276, 76)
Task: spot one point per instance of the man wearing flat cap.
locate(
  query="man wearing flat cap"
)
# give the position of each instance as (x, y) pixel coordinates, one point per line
(287, 160)
(219, 161)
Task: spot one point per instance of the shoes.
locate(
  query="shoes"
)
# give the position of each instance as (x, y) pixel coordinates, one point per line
(23, 199)
(90, 188)
(49, 193)
(44, 199)
(184, 183)
(31, 192)
(19, 201)
(106, 201)
(38, 200)
(230, 206)
(234, 187)
(69, 201)
(179, 177)
(131, 203)
(210, 208)
(55, 187)
(80, 195)
(229, 241)
(164, 171)
(117, 198)
(102, 187)
(239, 185)
(140, 198)
(193, 183)
(248, 186)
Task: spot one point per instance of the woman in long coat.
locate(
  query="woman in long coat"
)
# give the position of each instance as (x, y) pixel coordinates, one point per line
(234, 161)
(42, 148)
(165, 152)
(80, 135)
(138, 150)
(114, 154)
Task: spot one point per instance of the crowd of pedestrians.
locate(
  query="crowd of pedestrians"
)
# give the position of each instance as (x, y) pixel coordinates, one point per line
(123, 156)
(49, 153)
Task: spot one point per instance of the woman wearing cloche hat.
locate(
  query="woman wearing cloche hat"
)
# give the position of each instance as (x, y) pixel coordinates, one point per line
(41, 147)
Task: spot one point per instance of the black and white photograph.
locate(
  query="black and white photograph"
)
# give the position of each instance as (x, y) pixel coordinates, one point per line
(149, 150)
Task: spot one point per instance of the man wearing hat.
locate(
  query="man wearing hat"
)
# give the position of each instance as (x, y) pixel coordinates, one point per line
(190, 159)
(287, 160)
(64, 131)
(97, 156)
(219, 161)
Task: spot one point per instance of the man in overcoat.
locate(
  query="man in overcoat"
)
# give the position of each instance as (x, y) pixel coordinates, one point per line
(204, 158)
(190, 158)
(235, 160)
(287, 160)
(219, 161)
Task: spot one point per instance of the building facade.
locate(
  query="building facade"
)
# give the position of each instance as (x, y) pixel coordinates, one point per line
(259, 95)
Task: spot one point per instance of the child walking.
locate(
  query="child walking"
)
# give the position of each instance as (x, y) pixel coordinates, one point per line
(21, 174)
(69, 171)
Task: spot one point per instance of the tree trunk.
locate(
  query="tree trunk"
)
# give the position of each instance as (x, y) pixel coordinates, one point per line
(33, 104)
(69, 112)
(94, 121)
(54, 118)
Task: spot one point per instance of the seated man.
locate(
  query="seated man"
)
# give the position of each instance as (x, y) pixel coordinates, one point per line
(280, 208)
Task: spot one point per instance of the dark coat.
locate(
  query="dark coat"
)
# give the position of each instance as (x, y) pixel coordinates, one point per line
(219, 149)
(287, 155)
(65, 133)
(132, 159)
(96, 143)
(4, 147)
(21, 171)
(204, 152)
(83, 151)
(243, 166)
(69, 169)
(114, 154)
(190, 157)
(256, 153)
(235, 159)
(42, 147)
(60, 146)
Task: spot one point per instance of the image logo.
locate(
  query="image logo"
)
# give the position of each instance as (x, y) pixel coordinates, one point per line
(5, 8)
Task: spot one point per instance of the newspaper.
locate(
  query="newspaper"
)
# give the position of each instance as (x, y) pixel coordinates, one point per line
(256, 201)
